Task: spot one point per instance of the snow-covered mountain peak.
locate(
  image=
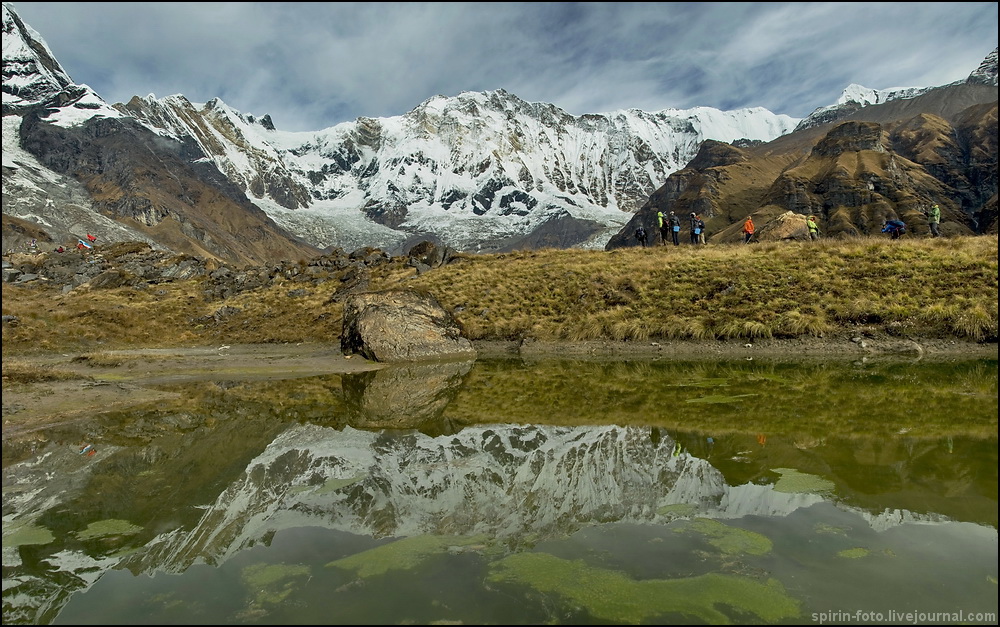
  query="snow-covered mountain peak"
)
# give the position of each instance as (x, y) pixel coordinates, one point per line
(865, 96)
(856, 96)
(31, 73)
(986, 73)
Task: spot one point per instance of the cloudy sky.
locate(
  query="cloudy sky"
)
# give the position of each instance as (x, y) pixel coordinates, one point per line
(312, 65)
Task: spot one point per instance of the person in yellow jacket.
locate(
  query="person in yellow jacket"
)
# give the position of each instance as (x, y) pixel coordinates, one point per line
(813, 228)
(664, 228)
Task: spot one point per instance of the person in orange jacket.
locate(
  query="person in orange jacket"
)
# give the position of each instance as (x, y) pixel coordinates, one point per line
(747, 230)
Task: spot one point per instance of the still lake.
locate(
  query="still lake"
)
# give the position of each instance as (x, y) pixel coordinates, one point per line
(521, 491)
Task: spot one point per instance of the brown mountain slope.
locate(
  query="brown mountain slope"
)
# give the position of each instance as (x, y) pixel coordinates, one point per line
(874, 163)
(157, 185)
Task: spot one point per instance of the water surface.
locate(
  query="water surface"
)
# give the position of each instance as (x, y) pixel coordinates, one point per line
(506, 491)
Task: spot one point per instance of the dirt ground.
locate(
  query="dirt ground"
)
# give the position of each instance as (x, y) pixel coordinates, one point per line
(123, 378)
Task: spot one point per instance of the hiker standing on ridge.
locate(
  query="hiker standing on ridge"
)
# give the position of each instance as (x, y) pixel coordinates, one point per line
(661, 224)
(675, 228)
(934, 220)
(694, 229)
(699, 230)
(640, 235)
(813, 228)
(748, 230)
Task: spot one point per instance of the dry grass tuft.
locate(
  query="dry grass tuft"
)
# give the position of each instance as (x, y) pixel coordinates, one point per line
(21, 372)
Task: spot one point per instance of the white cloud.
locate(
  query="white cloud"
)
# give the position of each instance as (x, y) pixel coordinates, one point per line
(313, 65)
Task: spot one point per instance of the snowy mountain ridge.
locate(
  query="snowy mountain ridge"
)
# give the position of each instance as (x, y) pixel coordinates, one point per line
(479, 171)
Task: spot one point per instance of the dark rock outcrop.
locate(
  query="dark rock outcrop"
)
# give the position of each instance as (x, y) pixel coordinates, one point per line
(426, 254)
(136, 264)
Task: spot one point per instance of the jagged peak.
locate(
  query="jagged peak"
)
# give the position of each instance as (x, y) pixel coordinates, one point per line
(865, 96)
(215, 106)
(174, 99)
(498, 100)
(986, 73)
(31, 74)
(856, 96)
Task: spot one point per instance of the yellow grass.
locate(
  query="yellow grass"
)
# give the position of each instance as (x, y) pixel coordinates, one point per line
(943, 288)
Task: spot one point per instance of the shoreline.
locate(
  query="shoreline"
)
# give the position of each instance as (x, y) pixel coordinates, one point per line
(103, 380)
(798, 348)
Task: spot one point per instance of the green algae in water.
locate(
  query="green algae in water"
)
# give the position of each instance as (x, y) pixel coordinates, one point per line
(718, 399)
(706, 383)
(793, 481)
(27, 534)
(272, 583)
(729, 540)
(108, 527)
(855, 553)
(404, 554)
(614, 597)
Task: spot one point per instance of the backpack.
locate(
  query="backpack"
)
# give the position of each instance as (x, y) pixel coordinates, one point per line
(640, 233)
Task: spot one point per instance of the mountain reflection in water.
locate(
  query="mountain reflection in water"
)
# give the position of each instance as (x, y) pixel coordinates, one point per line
(753, 490)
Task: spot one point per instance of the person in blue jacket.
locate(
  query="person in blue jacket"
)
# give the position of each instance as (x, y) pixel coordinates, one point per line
(894, 228)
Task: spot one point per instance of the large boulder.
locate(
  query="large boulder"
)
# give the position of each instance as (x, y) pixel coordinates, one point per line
(785, 227)
(425, 255)
(401, 325)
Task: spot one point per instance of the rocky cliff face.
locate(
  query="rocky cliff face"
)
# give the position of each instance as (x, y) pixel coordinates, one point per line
(160, 188)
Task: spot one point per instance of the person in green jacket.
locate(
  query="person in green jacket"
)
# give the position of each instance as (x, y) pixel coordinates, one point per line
(661, 224)
(813, 228)
(934, 220)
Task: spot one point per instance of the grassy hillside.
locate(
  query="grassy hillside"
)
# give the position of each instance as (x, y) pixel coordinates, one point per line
(918, 288)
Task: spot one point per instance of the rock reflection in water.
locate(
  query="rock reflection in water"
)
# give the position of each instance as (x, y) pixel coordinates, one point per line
(407, 396)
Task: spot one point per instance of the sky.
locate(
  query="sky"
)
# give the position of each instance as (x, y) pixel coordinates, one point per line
(312, 65)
